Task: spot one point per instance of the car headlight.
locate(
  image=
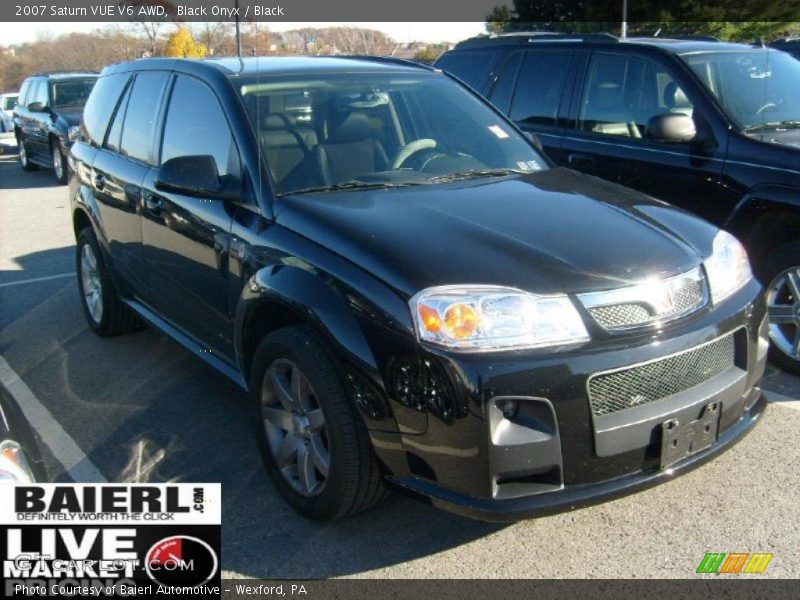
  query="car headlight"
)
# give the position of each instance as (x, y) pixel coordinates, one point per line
(728, 268)
(472, 317)
(72, 133)
(14, 467)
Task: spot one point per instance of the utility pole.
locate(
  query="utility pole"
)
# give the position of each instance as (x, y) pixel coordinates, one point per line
(238, 34)
(624, 32)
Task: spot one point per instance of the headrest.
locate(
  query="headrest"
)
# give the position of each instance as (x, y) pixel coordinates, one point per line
(274, 121)
(354, 128)
(674, 96)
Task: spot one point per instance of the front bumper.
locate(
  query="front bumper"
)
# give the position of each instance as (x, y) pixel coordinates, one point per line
(558, 452)
(576, 496)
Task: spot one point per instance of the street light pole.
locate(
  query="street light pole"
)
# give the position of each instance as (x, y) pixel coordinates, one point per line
(238, 35)
(624, 32)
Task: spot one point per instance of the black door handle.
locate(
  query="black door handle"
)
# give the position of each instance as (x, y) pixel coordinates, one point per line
(99, 181)
(577, 158)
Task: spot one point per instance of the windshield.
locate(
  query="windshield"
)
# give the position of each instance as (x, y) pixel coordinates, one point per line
(378, 130)
(72, 92)
(9, 102)
(756, 88)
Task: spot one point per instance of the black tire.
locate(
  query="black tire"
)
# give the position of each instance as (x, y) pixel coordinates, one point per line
(57, 155)
(24, 161)
(354, 482)
(780, 261)
(115, 317)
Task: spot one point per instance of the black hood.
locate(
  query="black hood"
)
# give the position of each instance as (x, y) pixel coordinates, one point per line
(547, 232)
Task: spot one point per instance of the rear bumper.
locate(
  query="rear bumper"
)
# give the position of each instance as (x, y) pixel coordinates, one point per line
(576, 496)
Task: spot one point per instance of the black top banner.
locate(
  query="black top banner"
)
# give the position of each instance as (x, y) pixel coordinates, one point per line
(537, 13)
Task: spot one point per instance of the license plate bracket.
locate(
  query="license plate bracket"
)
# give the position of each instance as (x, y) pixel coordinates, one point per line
(679, 441)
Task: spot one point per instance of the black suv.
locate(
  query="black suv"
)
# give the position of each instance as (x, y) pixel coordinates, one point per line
(46, 118)
(407, 289)
(708, 126)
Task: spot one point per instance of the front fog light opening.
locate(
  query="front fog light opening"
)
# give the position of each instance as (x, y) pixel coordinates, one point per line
(421, 385)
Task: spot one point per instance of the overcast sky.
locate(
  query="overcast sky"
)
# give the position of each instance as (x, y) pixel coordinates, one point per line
(401, 32)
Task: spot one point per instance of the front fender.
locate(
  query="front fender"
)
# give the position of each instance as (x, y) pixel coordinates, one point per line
(747, 220)
(304, 294)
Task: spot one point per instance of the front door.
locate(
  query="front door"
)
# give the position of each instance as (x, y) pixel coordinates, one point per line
(620, 93)
(186, 237)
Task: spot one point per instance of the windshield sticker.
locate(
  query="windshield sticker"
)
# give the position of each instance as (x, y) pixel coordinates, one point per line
(529, 165)
(498, 131)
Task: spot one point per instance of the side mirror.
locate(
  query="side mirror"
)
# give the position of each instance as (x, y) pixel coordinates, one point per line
(672, 128)
(36, 107)
(195, 176)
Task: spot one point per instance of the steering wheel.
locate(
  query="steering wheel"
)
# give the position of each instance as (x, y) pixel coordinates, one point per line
(410, 149)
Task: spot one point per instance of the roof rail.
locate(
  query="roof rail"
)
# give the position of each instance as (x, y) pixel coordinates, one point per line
(696, 38)
(68, 72)
(392, 60)
(527, 37)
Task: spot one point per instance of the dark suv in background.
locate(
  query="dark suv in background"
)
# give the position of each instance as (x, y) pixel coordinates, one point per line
(47, 116)
(407, 289)
(708, 126)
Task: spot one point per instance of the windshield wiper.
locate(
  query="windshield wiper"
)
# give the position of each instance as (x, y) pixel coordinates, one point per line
(788, 124)
(350, 185)
(473, 174)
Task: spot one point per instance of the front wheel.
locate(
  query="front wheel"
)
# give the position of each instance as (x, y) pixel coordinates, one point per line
(59, 162)
(781, 275)
(24, 161)
(313, 442)
(106, 314)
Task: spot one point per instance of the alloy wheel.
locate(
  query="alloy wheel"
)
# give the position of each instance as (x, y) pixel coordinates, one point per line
(92, 285)
(58, 163)
(783, 306)
(23, 154)
(295, 428)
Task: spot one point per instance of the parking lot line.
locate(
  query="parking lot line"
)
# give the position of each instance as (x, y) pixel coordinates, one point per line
(62, 446)
(36, 279)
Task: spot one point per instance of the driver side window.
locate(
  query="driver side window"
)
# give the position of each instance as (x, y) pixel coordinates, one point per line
(622, 93)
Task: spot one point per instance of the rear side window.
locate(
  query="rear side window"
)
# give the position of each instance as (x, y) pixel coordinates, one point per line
(196, 126)
(470, 67)
(540, 86)
(100, 106)
(115, 133)
(141, 115)
(504, 88)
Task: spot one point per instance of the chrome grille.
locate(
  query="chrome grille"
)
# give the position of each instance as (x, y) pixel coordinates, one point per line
(618, 316)
(648, 382)
(688, 296)
(649, 303)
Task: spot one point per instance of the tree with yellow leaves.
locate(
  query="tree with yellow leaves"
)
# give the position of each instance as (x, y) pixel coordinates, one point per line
(181, 44)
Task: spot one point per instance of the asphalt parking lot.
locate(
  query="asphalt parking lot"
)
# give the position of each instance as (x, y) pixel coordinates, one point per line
(140, 408)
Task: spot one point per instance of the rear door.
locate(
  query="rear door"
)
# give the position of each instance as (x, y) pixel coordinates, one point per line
(119, 170)
(534, 89)
(619, 93)
(185, 237)
(39, 122)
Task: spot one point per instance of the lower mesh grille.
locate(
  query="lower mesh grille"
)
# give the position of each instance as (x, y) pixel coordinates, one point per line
(612, 392)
